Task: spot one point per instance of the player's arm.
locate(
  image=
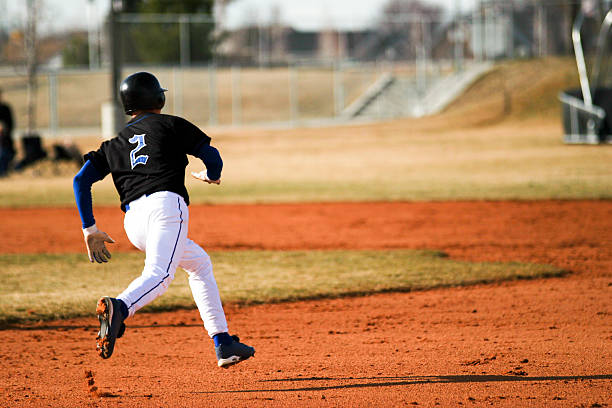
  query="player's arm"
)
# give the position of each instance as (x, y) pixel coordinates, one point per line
(197, 143)
(213, 162)
(94, 238)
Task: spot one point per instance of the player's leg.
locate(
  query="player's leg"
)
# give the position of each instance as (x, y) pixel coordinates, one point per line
(159, 227)
(136, 225)
(196, 263)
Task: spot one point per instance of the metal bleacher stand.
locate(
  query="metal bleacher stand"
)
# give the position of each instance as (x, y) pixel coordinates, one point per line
(587, 112)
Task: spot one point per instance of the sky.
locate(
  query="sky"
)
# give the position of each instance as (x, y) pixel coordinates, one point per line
(312, 14)
(62, 15)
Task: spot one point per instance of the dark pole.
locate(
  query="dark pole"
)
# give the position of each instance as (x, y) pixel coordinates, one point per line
(115, 55)
(31, 63)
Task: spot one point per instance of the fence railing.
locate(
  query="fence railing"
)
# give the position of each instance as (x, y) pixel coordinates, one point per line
(271, 73)
(73, 100)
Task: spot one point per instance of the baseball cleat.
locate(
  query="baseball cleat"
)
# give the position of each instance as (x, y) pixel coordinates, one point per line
(230, 354)
(111, 325)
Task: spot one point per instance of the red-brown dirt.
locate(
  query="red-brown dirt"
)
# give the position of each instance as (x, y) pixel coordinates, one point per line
(523, 343)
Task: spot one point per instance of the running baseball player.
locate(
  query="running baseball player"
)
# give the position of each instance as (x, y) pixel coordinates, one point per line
(147, 161)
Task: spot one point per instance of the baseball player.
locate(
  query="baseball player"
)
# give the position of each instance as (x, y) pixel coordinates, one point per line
(147, 161)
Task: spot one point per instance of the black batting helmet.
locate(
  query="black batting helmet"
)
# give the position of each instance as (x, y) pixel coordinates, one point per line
(141, 91)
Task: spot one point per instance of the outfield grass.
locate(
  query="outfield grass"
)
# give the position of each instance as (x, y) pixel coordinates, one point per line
(398, 160)
(43, 287)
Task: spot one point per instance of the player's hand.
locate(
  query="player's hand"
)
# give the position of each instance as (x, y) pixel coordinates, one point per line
(204, 177)
(95, 239)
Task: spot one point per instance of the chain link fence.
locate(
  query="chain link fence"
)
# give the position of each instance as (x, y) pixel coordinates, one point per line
(272, 73)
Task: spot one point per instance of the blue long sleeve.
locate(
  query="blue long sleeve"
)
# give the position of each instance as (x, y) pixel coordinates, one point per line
(82, 192)
(212, 160)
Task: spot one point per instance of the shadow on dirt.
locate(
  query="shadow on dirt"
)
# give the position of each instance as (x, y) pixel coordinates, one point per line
(90, 327)
(409, 380)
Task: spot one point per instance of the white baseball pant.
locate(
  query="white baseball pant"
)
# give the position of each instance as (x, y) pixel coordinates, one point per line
(157, 225)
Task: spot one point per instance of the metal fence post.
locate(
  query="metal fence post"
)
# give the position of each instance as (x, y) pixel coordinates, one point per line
(380, 111)
(293, 94)
(184, 40)
(177, 86)
(236, 96)
(212, 94)
(92, 43)
(338, 89)
(478, 33)
(486, 37)
(510, 36)
(541, 30)
(421, 63)
(53, 119)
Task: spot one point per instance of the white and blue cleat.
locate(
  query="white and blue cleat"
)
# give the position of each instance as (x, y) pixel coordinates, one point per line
(233, 353)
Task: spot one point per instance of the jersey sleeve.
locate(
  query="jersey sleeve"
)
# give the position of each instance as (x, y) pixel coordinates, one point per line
(191, 137)
(99, 161)
(212, 160)
(82, 192)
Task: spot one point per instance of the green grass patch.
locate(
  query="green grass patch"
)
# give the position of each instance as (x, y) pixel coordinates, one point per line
(44, 287)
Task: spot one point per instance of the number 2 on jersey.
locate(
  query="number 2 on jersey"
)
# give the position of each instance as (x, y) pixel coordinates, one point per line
(140, 143)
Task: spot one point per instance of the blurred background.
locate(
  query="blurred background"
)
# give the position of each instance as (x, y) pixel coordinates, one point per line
(245, 62)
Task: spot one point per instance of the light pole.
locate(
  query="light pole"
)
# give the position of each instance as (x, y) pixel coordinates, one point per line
(115, 62)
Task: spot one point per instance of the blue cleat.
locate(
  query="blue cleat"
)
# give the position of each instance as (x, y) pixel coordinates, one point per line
(233, 353)
(111, 325)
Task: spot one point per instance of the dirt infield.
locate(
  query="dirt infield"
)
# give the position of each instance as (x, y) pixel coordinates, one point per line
(525, 343)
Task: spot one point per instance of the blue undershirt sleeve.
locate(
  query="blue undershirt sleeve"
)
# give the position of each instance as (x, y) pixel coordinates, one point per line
(82, 192)
(212, 160)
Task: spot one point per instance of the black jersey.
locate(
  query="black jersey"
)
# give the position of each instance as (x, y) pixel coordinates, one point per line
(149, 155)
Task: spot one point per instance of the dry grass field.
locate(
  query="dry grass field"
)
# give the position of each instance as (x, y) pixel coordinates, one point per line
(487, 145)
(393, 161)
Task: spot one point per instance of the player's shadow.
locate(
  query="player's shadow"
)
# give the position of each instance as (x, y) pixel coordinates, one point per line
(331, 383)
(60, 327)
